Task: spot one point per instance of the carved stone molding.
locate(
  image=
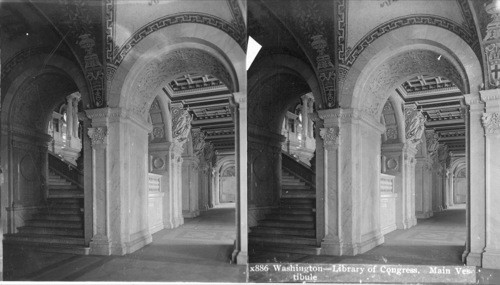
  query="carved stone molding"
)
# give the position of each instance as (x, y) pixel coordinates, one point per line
(330, 137)
(491, 123)
(98, 136)
(377, 32)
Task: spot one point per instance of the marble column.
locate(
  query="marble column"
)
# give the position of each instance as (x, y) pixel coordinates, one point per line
(491, 123)
(423, 188)
(351, 181)
(190, 188)
(305, 117)
(69, 119)
(240, 116)
(120, 181)
(476, 155)
(408, 194)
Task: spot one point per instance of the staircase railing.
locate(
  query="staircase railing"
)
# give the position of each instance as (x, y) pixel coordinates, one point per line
(298, 168)
(65, 169)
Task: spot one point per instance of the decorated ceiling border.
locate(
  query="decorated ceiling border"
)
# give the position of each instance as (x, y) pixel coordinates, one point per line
(394, 24)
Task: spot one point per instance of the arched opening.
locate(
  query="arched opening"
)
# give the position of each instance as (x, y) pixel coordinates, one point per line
(426, 83)
(178, 99)
(283, 196)
(46, 200)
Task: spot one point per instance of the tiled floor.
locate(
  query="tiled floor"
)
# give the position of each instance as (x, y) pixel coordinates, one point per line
(197, 251)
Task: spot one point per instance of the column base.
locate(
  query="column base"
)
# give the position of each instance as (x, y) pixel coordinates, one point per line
(239, 257)
(332, 246)
(178, 221)
(190, 214)
(424, 215)
(138, 240)
(491, 259)
(100, 246)
(474, 259)
(169, 224)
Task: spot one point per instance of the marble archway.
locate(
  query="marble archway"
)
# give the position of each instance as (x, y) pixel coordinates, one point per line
(137, 81)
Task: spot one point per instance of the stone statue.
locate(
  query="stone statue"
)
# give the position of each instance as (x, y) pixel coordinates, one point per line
(414, 124)
(182, 126)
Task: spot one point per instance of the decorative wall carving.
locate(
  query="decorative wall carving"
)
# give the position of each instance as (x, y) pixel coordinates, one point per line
(404, 21)
(98, 136)
(491, 123)
(181, 18)
(492, 45)
(386, 3)
(330, 136)
(325, 68)
(414, 125)
(341, 30)
(82, 22)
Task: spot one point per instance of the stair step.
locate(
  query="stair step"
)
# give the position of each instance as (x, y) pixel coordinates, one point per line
(294, 211)
(51, 231)
(62, 211)
(284, 231)
(286, 224)
(283, 248)
(297, 187)
(49, 247)
(63, 187)
(66, 195)
(291, 217)
(298, 195)
(54, 224)
(282, 239)
(52, 239)
(61, 217)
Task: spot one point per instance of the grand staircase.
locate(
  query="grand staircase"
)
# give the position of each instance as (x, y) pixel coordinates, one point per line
(59, 225)
(290, 228)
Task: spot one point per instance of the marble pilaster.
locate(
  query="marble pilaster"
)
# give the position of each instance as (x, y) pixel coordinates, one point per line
(120, 181)
(240, 117)
(190, 186)
(476, 154)
(491, 123)
(351, 181)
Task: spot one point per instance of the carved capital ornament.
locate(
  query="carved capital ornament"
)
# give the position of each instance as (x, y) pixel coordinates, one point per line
(330, 137)
(98, 135)
(491, 123)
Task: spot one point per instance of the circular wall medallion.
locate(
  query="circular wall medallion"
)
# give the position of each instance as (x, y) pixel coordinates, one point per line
(158, 163)
(392, 164)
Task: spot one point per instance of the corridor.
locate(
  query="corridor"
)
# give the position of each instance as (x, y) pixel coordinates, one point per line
(199, 250)
(439, 240)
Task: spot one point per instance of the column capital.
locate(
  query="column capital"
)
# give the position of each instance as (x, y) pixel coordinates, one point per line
(331, 137)
(491, 123)
(98, 136)
(490, 95)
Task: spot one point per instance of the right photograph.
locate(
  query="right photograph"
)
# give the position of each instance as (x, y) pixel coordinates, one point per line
(374, 135)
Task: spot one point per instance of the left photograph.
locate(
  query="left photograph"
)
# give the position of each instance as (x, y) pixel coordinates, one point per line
(123, 145)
